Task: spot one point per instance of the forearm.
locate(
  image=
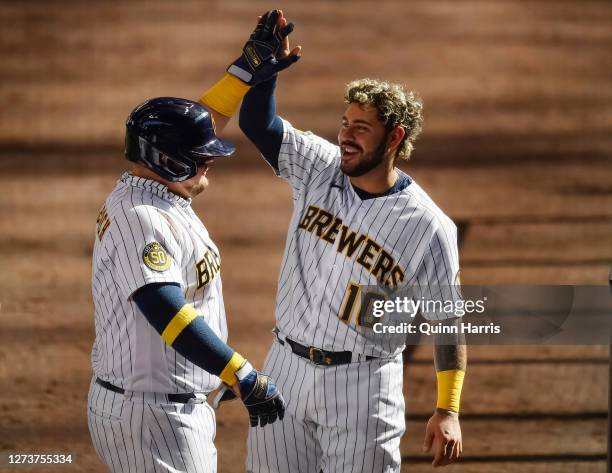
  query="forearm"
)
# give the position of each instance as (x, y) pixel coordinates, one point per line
(180, 327)
(259, 121)
(450, 357)
(223, 98)
(451, 363)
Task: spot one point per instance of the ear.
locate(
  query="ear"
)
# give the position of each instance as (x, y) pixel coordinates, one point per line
(395, 138)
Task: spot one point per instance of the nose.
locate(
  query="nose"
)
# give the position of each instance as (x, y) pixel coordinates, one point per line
(345, 134)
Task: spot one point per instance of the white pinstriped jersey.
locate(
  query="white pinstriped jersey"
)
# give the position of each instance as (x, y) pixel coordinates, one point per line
(338, 243)
(146, 234)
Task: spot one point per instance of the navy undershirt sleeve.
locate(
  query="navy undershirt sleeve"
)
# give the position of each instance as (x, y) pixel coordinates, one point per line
(259, 121)
(197, 342)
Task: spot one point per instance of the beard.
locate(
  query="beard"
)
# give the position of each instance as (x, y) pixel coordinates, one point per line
(198, 186)
(368, 161)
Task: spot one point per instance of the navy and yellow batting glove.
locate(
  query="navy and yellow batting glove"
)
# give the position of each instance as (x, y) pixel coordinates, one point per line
(258, 61)
(257, 391)
(261, 398)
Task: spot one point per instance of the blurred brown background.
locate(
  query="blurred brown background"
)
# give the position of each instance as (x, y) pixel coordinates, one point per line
(517, 149)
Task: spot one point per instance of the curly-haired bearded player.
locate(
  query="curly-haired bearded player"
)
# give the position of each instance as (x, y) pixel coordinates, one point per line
(357, 221)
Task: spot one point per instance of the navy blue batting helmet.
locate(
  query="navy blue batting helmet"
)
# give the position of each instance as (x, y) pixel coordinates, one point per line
(171, 136)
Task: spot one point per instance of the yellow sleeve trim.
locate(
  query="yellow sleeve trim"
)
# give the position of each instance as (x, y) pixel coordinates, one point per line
(228, 375)
(450, 383)
(225, 95)
(178, 323)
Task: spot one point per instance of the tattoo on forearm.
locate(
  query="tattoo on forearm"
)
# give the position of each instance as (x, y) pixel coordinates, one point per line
(451, 356)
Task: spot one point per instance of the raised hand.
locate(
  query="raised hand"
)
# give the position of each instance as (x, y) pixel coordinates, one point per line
(263, 55)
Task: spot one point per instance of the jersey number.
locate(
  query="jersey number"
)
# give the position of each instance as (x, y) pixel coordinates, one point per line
(363, 302)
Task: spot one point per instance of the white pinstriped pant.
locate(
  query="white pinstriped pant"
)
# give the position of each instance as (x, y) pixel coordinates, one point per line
(141, 432)
(339, 419)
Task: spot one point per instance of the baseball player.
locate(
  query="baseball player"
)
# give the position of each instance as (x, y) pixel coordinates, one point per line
(160, 327)
(358, 222)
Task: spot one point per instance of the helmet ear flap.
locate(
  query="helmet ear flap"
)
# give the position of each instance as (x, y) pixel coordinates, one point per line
(132, 145)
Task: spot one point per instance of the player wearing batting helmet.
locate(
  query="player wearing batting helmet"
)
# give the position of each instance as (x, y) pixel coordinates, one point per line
(360, 228)
(160, 327)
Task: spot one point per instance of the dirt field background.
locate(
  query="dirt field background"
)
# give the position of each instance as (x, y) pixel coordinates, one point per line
(517, 148)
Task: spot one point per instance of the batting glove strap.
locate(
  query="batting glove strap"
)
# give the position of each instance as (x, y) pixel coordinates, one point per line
(244, 370)
(261, 398)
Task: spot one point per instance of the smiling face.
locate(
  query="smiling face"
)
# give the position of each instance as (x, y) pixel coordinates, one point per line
(362, 139)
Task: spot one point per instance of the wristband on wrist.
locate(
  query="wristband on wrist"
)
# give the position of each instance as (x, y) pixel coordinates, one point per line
(233, 367)
(225, 96)
(450, 383)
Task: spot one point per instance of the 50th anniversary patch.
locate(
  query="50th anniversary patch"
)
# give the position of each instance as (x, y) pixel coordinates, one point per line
(155, 257)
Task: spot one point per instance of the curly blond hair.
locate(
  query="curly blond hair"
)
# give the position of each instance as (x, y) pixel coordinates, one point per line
(396, 106)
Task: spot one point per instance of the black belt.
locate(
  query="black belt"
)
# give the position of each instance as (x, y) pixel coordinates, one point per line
(321, 357)
(182, 398)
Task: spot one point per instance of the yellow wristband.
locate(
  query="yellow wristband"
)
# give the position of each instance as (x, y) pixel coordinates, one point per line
(225, 95)
(450, 383)
(178, 323)
(228, 375)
